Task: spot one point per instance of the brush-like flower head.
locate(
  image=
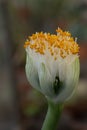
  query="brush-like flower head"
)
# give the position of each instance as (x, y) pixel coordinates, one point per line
(52, 64)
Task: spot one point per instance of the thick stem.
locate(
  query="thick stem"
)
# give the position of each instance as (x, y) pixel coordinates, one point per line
(53, 116)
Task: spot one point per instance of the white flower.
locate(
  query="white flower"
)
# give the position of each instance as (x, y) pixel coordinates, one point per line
(52, 64)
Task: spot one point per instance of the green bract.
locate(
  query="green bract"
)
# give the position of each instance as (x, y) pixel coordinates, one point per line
(56, 80)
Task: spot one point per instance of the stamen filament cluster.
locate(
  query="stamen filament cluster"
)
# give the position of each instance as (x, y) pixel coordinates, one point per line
(61, 44)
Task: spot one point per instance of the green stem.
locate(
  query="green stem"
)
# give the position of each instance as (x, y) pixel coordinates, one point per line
(53, 116)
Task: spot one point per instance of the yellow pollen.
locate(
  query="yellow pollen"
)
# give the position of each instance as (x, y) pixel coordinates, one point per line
(43, 42)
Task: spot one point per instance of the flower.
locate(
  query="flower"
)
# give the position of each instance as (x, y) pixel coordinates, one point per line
(52, 64)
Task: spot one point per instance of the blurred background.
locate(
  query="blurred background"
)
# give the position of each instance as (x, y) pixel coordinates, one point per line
(21, 107)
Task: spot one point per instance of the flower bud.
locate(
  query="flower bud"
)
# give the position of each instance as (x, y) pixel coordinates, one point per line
(52, 64)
